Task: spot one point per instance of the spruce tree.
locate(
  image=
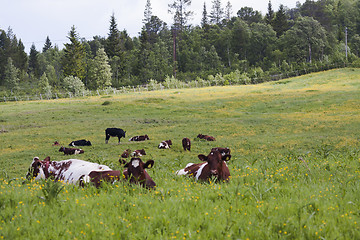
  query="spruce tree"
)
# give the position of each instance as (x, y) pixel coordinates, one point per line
(101, 70)
(74, 60)
(228, 11)
(217, 12)
(280, 24)
(34, 66)
(11, 77)
(147, 12)
(113, 44)
(47, 44)
(270, 14)
(204, 19)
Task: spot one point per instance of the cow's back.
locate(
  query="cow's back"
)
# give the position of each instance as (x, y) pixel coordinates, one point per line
(71, 170)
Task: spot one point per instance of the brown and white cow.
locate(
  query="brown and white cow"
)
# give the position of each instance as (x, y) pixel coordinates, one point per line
(214, 166)
(134, 172)
(206, 137)
(186, 144)
(165, 144)
(71, 151)
(139, 138)
(126, 153)
(223, 151)
(70, 171)
(138, 153)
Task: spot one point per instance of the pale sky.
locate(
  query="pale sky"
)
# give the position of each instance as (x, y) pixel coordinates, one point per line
(33, 20)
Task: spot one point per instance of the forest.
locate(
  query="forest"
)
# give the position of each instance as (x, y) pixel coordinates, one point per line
(228, 46)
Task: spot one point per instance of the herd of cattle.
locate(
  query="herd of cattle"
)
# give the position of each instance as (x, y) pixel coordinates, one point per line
(75, 171)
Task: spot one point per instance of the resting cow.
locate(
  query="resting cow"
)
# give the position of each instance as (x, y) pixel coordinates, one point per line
(165, 144)
(70, 171)
(206, 137)
(186, 144)
(134, 172)
(114, 132)
(82, 142)
(214, 166)
(138, 153)
(139, 138)
(126, 153)
(223, 151)
(70, 151)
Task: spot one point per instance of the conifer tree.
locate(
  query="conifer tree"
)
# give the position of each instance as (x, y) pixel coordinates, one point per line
(74, 60)
(47, 44)
(270, 14)
(44, 85)
(217, 12)
(101, 70)
(113, 44)
(34, 66)
(280, 24)
(204, 19)
(11, 77)
(181, 14)
(228, 11)
(147, 12)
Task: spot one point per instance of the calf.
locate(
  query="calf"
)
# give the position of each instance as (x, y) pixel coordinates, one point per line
(214, 166)
(134, 172)
(70, 171)
(114, 132)
(70, 151)
(56, 143)
(223, 151)
(139, 138)
(138, 153)
(165, 144)
(126, 153)
(206, 137)
(82, 142)
(186, 144)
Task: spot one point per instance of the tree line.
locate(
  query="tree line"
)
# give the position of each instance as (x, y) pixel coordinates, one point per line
(241, 47)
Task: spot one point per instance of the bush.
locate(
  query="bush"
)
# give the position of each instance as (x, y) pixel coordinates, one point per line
(74, 85)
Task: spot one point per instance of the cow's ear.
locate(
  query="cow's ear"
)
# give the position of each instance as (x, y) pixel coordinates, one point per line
(226, 157)
(47, 158)
(202, 157)
(122, 161)
(149, 164)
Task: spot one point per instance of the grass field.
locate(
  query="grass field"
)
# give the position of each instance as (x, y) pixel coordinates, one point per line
(272, 194)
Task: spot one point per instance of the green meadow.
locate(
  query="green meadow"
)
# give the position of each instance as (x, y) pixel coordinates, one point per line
(295, 165)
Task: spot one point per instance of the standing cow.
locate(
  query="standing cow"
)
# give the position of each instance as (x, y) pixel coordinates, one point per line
(114, 132)
(214, 166)
(186, 144)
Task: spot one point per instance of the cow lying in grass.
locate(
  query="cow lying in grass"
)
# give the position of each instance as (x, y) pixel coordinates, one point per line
(75, 171)
(134, 172)
(68, 171)
(165, 144)
(139, 138)
(213, 166)
(71, 151)
(206, 137)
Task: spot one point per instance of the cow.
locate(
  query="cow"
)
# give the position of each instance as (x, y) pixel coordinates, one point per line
(70, 151)
(214, 166)
(139, 138)
(126, 153)
(223, 151)
(70, 171)
(82, 142)
(134, 172)
(206, 137)
(114, 132)
(138, 153)
(165, 144)
(186, 144)
(56, 143)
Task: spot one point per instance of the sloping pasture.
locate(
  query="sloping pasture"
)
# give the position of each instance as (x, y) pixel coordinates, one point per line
(295, 163)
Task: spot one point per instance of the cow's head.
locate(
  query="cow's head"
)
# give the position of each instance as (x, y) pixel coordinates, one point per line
(215, 162)
(123, 134)
(169, 142)
(62, 149)
(136, 173)
(35, 169)
(146, 137)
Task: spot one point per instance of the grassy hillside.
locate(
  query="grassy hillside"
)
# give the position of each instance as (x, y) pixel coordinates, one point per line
(272, 194)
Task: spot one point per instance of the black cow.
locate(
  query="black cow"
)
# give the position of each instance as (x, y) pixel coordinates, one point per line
(82, 142)
(114, 132)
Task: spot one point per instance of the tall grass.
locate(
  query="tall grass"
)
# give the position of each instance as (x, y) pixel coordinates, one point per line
(295, 163)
